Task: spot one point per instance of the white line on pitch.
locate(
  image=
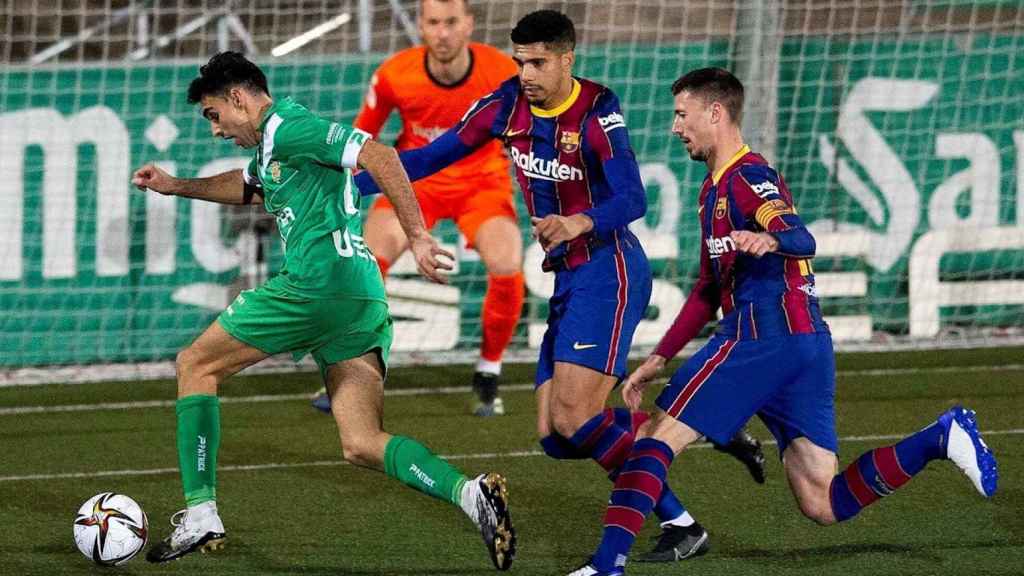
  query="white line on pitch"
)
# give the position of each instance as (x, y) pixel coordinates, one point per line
(322, 463)
(424, 391)
(10, 411)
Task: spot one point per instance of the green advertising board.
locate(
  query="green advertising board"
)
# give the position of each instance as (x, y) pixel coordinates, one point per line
(881, 143)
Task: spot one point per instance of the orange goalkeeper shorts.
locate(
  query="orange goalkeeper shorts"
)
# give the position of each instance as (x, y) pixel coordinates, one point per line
(468, 210)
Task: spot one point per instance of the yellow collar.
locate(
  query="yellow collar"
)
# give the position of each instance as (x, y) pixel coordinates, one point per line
(561, 107)
(718, 173)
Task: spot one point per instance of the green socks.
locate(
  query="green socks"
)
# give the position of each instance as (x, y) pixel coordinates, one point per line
(199, 436)
(415, 466)
(198, 439)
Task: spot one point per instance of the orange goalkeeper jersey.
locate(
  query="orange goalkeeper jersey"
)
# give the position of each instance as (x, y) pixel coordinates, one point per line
(428, 109)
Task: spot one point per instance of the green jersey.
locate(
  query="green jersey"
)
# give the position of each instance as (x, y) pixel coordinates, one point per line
(303, 166)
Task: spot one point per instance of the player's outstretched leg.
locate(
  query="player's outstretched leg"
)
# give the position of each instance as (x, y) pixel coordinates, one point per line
(877, 473)
(484, 498)
(608, 439)
(747, 450)
(357, 400)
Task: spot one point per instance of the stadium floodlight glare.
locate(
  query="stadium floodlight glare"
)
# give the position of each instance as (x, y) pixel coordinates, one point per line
(310, 35)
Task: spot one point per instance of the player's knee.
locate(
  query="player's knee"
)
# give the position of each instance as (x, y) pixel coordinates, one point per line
(504, 267)
(188, 367)
(194, 374)
(564, 426)
(185, 361)
(358, 452)
(566, 420)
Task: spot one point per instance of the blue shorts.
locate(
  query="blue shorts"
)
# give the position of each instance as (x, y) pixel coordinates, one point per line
(595, 310)
(788, 381)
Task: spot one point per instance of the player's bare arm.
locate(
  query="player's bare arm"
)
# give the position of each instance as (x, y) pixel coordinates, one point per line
(554, 229)
(225, 188)
(633, 389)
(756, 244)
(386, 170)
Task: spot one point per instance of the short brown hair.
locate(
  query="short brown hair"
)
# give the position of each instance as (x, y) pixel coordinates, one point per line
(714, 85)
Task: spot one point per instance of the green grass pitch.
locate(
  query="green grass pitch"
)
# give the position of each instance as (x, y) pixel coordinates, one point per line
(291, 507)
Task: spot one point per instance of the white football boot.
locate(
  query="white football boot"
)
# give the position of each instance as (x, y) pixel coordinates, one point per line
(196, 528)
(968, 451)
(485, 501)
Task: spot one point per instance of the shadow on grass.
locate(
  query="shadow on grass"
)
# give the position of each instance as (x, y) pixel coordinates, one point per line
(838, 551)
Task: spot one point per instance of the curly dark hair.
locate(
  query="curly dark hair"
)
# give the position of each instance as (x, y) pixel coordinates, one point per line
(551, 27)
(223, 72)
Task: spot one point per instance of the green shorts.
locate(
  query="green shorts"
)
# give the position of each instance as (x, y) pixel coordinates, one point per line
(330, 329)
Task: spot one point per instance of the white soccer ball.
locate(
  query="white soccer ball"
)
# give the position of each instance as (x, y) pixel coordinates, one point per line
(110, 529)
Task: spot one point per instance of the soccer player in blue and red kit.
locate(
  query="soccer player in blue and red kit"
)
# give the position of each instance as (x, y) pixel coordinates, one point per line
(772, 352)
(570, 147)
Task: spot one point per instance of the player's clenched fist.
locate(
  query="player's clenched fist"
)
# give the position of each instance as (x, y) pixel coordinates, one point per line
(153, 177)
(756, 244)
(426, 251)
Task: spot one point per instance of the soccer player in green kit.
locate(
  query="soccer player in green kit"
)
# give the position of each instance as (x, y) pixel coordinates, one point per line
(328, 300)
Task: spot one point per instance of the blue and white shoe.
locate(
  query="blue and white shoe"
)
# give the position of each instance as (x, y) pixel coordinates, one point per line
(968, 451)
(322, 401)
(588, 569)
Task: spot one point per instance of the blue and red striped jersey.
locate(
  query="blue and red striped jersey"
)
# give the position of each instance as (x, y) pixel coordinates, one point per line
(573, 159)
(759, 297)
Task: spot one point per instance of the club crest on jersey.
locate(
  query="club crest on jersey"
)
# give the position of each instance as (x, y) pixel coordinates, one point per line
(720, 208)
(275, 171)
(570, 142)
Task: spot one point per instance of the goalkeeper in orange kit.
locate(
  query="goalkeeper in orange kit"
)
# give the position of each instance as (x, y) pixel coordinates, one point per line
(432, 86)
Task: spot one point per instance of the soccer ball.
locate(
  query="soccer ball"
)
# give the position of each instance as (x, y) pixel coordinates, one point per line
(110, 529)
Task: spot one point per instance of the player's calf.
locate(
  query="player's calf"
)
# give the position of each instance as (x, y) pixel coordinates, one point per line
(818, 510)
(875, 474)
